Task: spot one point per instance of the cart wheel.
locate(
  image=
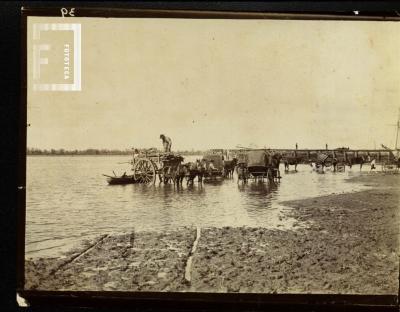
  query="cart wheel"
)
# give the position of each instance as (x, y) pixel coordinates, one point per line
(144, 171)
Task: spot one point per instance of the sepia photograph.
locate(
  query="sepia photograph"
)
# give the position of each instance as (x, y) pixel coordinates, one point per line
(212, 155)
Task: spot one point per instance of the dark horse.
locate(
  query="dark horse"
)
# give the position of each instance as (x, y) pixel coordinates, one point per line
(229, 167)
(292, 160)
(275, 161)
(193, 170)
(179, 174)
(359, 160)
(242, 172)
(174, 174)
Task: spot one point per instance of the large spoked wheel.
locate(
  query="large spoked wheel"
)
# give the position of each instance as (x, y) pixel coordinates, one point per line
(144, 171)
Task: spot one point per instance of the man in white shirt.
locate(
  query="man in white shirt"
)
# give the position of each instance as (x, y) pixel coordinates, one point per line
(373, 164)
(211, 165)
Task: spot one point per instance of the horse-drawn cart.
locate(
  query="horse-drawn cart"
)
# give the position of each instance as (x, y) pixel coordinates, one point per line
(146, 167)
(257, 165)
(214, 167)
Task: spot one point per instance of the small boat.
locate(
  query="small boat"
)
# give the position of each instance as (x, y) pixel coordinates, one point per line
(124, 179)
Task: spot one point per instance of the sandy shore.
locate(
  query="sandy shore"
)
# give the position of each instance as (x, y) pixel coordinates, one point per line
(349, 246)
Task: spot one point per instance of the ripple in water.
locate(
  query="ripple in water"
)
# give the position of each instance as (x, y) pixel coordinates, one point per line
(69, 200)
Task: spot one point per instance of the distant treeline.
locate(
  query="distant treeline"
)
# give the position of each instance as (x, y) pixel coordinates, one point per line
(93, 151)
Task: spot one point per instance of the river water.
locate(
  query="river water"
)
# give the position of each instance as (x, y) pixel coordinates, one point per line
(69, 200)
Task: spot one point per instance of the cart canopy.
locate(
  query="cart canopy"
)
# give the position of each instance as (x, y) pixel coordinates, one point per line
(257, 158)
(217, 160)
(242, 158)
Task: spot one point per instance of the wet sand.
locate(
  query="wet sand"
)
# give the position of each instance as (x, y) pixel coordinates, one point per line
(350, 245)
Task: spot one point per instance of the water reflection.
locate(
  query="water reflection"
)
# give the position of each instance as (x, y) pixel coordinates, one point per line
(258, 187)
(80, 204)
(213, 182)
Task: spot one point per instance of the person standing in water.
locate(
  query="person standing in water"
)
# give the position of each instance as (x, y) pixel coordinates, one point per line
(135, 155)
(373, 162)
(167, 142)
(334, 163)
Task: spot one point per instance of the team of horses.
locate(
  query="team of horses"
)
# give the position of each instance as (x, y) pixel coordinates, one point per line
(189, 171)
(198, 169)
(330, 161)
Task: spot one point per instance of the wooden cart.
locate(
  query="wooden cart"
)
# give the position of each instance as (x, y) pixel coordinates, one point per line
(216, 173)
(147, 166)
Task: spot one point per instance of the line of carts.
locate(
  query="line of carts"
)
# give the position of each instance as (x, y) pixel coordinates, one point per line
(260, 165)
(150, 166)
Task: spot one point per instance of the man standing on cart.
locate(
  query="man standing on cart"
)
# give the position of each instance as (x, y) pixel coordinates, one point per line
(167, 142)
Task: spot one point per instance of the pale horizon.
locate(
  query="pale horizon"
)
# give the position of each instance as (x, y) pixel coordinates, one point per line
(223, 83)
(312, 148)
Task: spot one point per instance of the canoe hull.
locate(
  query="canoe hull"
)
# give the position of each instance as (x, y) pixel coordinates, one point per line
(121, 180)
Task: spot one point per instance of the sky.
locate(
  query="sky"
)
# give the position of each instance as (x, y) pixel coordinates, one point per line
(224, 83)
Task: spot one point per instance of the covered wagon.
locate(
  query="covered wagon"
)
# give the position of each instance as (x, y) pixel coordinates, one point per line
(256, 164)
(214, 166)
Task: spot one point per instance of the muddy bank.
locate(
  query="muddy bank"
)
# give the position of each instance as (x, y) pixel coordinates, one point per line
(350, 246)
(140, 261)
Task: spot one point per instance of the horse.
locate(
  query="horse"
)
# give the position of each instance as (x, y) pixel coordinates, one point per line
(201, 170)
(242, 172)
(292, 160)
(172, 173)
(193, 170)
(166, 174)
(359, 160)
(179, 174)
(275, 161)
(229, 167)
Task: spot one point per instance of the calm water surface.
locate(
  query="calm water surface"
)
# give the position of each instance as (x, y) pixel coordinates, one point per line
(69, 200)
